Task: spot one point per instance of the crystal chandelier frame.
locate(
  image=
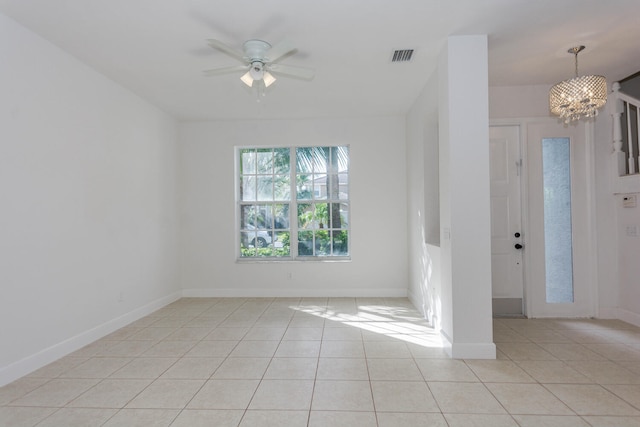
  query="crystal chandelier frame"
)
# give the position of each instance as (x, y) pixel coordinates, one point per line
(578, 97)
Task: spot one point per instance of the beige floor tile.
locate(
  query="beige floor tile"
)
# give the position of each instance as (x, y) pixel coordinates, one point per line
(56, 393)
(78, 417)
(283, 395)
(402, 396)
(499, 371)
(143, 418)
(145, 367)
(341, 334)
(298, 349)
(19, 388)
(126, 349)
(334, 368)
(465, 398)
(169, 349)
(188, 334)
(97, 367)
(207, 418)
(630, 393)
(342, 396)
(215, 348)
(552, 371)
(308, 321)
(342, 349)
(606, 372)
(524, 351)
(292, 368)
(531, 399)
(479, 420)
(255, 349)
(387, 350)
(400, 419)
(571, 351)
(587, 399)
(342, 419)
(446, 370)
(261, 418)
(224, 394)
(303, 334)
(264, 334)
(57, 368)
(242, 368)
(394, 370)
(227, 334)
(613, 421)
(22, 416)
(110, 393)
(427, 351)
(550, 421)
(193, 368)
(166, 394)
(615, 351)
(152, 334)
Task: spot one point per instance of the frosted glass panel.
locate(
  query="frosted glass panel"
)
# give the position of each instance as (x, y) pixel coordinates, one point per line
(556, 171)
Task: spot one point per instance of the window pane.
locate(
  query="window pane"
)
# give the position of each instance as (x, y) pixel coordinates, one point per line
(304, 160)
(281, 216)
(265, 188)
(340, 243)
(248, 189)
(281, 163)
(320, 159)
(556, 173)
(343, 191)
(305, 215)
(247, 161)
(282, 187)
(305, 243)
(321, 215)
(264, 161)
(323, 243)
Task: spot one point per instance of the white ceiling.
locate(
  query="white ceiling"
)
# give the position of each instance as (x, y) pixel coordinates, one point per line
(157, 48)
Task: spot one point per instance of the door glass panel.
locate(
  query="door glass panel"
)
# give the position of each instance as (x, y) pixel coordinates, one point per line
(558, 248)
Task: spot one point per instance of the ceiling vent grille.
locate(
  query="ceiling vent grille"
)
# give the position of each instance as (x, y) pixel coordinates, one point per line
(404, 55)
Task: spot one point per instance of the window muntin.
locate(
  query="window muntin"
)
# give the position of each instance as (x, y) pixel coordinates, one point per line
(318, 178)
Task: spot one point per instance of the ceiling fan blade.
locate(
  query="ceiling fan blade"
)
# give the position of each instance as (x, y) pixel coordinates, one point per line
(291, 71)
(217, 44)
(280, 51)
(225, 70)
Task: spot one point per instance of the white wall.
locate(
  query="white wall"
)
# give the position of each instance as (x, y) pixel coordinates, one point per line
(424, 203)
(464, 197)
(378, 183)
(87, 189)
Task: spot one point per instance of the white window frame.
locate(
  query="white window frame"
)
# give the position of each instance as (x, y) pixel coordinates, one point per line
(294, 229)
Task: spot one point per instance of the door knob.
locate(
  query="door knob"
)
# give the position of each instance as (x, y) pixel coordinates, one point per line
(518, 246)
(517, 234)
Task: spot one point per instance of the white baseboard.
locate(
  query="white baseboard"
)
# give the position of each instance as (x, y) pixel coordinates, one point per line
(628, 316)
(36, 361)
(468, 350)
(292, 293)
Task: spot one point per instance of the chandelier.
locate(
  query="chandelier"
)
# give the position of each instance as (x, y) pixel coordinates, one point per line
(578, 97)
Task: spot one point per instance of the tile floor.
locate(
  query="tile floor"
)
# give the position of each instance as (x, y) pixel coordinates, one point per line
(331, 362)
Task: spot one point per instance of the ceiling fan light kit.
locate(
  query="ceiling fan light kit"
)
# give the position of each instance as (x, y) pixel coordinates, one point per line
(261, 62)
(578, 97)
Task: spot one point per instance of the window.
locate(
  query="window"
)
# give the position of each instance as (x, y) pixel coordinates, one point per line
(293, 203)
(556, 171)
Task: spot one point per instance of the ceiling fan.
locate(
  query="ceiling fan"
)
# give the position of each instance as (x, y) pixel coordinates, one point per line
(261, 62)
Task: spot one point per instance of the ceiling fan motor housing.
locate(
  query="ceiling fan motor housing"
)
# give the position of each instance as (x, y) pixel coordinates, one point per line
(255, 50)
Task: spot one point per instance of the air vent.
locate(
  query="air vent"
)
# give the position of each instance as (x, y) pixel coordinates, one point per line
(402, 55)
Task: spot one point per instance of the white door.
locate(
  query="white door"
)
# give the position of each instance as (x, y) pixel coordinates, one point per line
(507, 238)
(559, 239)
